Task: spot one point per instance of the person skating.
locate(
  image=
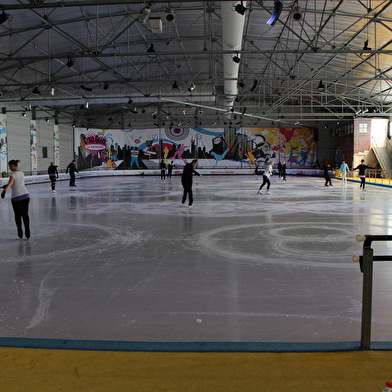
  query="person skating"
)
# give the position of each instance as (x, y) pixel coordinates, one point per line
(327, 177)
(266, 175)
(20, 198)
(170, 169)
(53, 174)
(187, 179)
(362, 169)
(163, 170)
(284, 171)
(344, 170)
(72, 169)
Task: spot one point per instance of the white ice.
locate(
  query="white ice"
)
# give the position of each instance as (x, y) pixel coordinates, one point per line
(121, 258)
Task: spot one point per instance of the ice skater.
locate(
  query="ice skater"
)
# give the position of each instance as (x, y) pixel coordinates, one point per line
(327, 177)
(20, 198)
(163, 170)
(170, 169)
(53, 174)
(344, 170)
(186, 180)
(284, 171)
(266, 176)
(72, 169)
(362, 169)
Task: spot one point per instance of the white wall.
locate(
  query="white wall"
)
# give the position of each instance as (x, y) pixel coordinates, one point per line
(18, 138)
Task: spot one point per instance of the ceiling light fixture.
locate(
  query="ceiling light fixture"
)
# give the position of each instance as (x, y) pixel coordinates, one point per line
(3, 16)
(254, 85)
(134, 111)
(321, 86)
(36, 91)
(170, 15)
(130, 101)
(151, 50)
(144, 13)
(277, 11)
(296, 13)
(175, 86)
(70, 62)
(240, 8)
(83, 87)
(366, 48)
(105, 86)
(191, 87)
(47, 119)
(237, 59)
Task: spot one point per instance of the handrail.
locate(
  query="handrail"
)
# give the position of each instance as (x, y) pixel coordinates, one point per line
(366, 267)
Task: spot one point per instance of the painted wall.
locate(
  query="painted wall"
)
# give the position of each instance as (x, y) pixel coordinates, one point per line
(238, 147)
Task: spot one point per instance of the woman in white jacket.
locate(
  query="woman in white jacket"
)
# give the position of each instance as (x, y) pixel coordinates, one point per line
(266, 175)
(20, 198)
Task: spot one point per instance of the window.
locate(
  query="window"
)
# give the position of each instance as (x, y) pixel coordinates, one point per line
(44, 152)
(363, 127)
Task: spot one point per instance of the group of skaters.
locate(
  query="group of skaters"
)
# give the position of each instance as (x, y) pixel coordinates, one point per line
(20, 196)
(169, 168)
(344, 169)
(54, 174)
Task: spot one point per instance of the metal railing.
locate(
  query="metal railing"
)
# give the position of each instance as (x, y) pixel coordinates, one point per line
(366, 266)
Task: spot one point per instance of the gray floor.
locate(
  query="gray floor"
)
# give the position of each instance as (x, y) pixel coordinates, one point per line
(121, 258)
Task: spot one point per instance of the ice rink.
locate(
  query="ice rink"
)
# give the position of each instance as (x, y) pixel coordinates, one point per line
(121, 258)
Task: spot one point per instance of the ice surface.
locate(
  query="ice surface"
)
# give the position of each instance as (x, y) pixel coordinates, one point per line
(121, 258)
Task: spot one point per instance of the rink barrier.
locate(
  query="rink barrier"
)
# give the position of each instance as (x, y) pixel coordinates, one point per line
(366, 266)
(266, 347)
(42, 178)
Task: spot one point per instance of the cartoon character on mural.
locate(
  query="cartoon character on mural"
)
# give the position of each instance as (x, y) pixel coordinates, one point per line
(218, 157)
(135, 157)
(179, 151)
(262, 151)
(251, 158)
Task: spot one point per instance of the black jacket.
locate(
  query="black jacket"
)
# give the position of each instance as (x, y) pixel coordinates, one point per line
(186, 176)
(53, 170)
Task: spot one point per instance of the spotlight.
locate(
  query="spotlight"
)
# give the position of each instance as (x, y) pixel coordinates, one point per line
(169, 14)
(254, 85)
(36, 91)
(130, 101)
(240, 8)
(134, 111)
(3, 16)
(86, 105)
(321, 86)
(52, 91)
(83, 87)
(73, 125)
(236, 59)
(70, 62)
(47, 119)
(366, 48)
(106, 86)
(144, 13)
(151, 50)
(277, 11)
(191, 87)
(175, 86)
(296, 13)
(24, 114)
(241, 83)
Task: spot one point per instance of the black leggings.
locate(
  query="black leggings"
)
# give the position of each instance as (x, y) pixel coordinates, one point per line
(363, 179)
(187, 191)
(265, 181)
(21, 211)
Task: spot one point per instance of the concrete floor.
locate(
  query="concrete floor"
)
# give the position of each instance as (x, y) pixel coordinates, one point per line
(121, 258)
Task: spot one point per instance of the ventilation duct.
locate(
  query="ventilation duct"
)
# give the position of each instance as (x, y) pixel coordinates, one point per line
(232, 32)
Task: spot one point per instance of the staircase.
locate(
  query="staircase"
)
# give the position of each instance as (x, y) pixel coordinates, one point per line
(384, 157)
